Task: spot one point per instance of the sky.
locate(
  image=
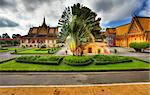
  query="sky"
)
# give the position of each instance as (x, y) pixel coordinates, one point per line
(17, 16)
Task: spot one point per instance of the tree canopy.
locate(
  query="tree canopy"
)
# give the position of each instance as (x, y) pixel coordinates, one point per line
(78, 24)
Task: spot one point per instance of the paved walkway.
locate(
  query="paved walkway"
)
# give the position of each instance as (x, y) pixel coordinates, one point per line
(7, 55)
(120, 51)
(130, 52)
(62, 51)
(72, 78)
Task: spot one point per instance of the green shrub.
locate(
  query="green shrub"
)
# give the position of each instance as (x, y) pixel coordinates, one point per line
(3, 49)
(110, 59)
(138, 46)
(49, 50)
(77, 60)
(41, 49)
(43, 46)
(49, 60)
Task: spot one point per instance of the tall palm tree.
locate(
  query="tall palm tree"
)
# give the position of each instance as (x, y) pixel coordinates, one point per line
(77, 24)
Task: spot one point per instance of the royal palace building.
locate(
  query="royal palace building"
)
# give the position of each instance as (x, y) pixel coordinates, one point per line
(39, 36)
(138, 30)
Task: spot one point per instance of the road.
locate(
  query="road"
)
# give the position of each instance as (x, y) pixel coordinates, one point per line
(72, 78)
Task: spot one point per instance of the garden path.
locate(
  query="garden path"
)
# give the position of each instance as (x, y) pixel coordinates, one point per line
(123, 51)
(7, 55)
(62, 51)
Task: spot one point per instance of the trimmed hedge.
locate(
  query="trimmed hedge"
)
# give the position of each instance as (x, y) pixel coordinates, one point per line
(3, 49)
(49, 60)
(111, 59)
(78, 60)
(49, 50)
(74, 60)
(138, 46)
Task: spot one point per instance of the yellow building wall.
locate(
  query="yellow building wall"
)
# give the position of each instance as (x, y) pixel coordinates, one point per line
(121, 43)
(141, 38)
(95, 47)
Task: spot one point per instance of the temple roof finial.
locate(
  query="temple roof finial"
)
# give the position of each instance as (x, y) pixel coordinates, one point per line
(44, 22)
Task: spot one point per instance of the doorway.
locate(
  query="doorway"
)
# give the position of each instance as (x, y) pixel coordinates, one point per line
(90, 50)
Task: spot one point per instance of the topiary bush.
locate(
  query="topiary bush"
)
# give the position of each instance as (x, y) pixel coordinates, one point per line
(110, 59)
(78, 60)
(48, 60)
(138, 46)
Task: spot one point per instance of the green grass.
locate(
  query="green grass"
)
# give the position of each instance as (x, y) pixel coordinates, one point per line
(15, 66)
(7, 49)
(35, 51)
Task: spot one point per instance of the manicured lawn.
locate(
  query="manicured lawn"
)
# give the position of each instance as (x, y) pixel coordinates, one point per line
(33, 51)
(15, 66)
(8, 49)
(37, 51)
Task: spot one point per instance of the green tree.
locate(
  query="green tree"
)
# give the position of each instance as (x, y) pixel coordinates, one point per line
(5, 35)
(77, 23)
(16, 35)
(139, 46)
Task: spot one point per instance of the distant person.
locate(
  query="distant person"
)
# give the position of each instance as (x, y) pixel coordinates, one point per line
(99, 51)
(82, 53)
(115, 50)
(66, 52)
(15, 50)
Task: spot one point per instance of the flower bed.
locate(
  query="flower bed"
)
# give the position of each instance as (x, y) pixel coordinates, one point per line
(49, 60)
(77, 60)
(111, 59)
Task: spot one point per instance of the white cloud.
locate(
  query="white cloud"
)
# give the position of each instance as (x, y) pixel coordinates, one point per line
(146, 10)
(31, 12)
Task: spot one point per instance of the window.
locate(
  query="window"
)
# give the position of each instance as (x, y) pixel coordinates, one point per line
(28, 40)
(52, 41)
(33, 41)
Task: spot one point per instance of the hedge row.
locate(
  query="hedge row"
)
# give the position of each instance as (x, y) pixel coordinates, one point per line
(49, 60)
(74, 60)
(111, 59)
(78, 60)
(49, 50)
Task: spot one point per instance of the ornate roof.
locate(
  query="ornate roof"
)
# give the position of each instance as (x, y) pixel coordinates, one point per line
(123, 29)
(43, 31)
(111, 30)
(142, 22)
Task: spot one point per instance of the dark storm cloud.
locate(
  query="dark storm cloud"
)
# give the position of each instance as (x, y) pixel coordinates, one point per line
(7, 23)
(8, 4)
(103, 5)
(107, 5)
(32, 5)
(4, 3)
